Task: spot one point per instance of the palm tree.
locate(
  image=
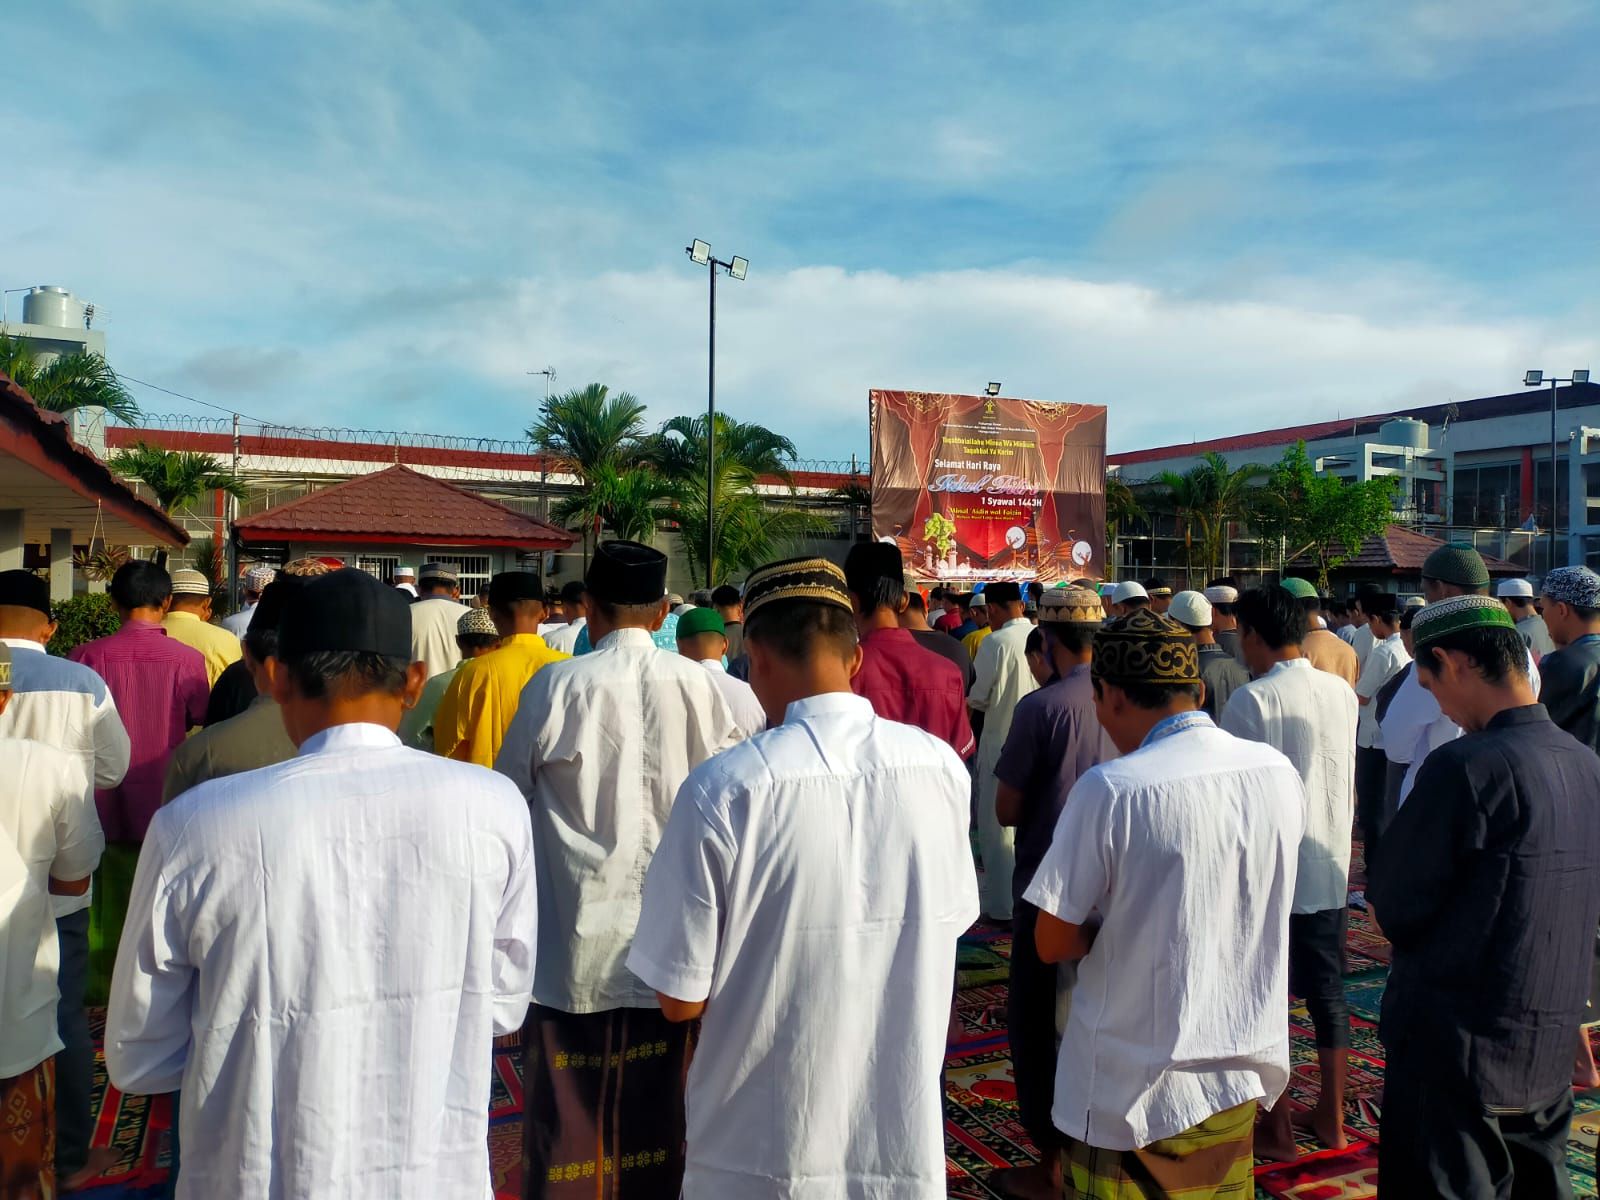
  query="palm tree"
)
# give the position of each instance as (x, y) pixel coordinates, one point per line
(177, 477)
(1122, 510)
(747, 529)
(588, 432)
(1210, 496)
(631, 503)
(77, 380)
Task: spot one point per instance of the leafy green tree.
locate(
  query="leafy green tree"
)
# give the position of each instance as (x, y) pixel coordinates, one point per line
(1320, 517)
(1122, 511)
(77, 380)
(1208, 498)
(595, 436)
(177, 477)
(632, 503)
(82, 619)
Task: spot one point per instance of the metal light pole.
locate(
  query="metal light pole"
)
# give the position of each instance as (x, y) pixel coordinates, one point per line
(1537, 379)
(700, 253)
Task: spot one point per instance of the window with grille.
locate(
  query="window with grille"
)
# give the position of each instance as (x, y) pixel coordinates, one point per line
(379, 565)
(472, 569)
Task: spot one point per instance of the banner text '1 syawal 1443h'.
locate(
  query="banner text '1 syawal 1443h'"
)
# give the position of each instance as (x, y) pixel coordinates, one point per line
(986, 487)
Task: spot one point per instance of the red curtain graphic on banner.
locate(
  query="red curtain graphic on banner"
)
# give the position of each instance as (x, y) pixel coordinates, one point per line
(986, 487)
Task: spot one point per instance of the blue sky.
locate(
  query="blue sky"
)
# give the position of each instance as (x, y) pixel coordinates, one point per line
(1211, 217)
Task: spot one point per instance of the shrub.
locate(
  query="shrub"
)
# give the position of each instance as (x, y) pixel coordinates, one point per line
(82, 619)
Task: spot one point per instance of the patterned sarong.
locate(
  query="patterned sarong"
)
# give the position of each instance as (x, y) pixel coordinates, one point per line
(1211, 1160)
(28, 1134)
(603, 1108)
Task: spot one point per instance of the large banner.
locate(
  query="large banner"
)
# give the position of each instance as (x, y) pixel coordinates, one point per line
(983, 487)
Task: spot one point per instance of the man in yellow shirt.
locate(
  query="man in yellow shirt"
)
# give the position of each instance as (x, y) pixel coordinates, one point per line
(980, 614)
(189, 621)
(477, 707)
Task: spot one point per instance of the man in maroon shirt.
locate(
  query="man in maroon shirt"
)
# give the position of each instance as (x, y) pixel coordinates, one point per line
(904, 681)
(160, 689)
(949, 619)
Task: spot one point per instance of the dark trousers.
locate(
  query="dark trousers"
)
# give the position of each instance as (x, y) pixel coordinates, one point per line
(1372, 772)
(75, 1063)
(1436, 1140)
(1034, 1006)
(1316, 972)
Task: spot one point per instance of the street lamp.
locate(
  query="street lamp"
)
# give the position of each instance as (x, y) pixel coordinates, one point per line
(1539, 379)
(737, 268)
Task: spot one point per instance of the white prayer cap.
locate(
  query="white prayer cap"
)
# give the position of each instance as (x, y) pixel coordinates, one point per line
(1127, 590)
(1514, 589)
(405, 573)
(1222, 594)
(1191, 609)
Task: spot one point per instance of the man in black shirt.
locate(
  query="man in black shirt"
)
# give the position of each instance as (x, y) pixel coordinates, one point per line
(1489, 889)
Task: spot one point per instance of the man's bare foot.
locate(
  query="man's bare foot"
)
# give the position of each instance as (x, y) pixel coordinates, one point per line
(1326, 1127)
(1274, 1139)
(1584, 1073)
(101, 1160)
(1041, 1181)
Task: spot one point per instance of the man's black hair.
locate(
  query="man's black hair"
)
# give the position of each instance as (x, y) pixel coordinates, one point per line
(1224, 581)
(796, 630)
(1311, 604)
(434, 585)
(1134, 602)
(880, 591)
(476, 641)
(1497, 652)
(915, 601)
(1155, 581)
(1155, 695)
(1075, 638)
(262, 643)
(1277, 618)
(140, 584)
(1408, 615)
(572, 592)
(326, 673)
(725, 596)
(626, 614)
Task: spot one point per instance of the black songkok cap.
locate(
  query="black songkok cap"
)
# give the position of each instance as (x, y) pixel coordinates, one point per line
(1003, 593)
(627, 573)
(510, 586)
(24, 589)
(346, 610)
(869, 562)
(276, 599)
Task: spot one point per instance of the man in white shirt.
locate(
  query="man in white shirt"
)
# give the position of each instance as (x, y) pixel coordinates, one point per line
(256, 580)
(806, 898)
(50, 842)
(702, 638)
(1170, 877)
(405, 582)
(565, 637)
(1000, 677)
(599, 747)
(321, 952)
(1414, 726)
(1310, 717)
(1386, 659)
(1361, 636)
(66, 705)
(434, 617)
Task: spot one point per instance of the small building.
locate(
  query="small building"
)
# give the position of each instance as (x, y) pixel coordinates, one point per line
(58, 498)
(398, 516)
(1392, 561)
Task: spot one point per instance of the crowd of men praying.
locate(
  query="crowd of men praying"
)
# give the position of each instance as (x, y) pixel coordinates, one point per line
(710, 859)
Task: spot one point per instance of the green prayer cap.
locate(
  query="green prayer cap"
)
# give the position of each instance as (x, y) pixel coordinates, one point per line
(1450, 616)
(1300, 589)
(1456, 563)
(700, 620)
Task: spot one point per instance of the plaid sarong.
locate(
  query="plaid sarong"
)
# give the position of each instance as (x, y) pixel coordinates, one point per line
(1211, 1160)
(28, 1134)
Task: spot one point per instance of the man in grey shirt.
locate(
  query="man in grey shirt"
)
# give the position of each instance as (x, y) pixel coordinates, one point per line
(1219, 670)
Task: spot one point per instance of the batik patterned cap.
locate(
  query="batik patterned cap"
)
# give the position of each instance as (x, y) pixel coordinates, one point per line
(1146, 647)
(1456, 613)
(1071, 606)
(257, 578)
(1457, 563)
(1577, 586)
(814, 579)
(189, 582)
(476, 621)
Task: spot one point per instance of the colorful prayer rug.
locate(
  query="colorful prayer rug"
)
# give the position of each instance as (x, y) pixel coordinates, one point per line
(982, 1133)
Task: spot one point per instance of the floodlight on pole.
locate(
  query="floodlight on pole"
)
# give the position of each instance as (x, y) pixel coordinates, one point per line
(992, 390)
(1539, 379)
(699, 253)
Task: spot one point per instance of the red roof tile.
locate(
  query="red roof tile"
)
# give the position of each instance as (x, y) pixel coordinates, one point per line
(1403, 551)
(399, 505)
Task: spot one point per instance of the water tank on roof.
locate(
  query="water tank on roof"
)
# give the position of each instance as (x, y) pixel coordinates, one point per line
(52, 306)
(1404, 431)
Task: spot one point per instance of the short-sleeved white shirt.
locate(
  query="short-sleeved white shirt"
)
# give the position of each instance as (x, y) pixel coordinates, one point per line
(1310, 716)
(1188, 849)
(810, 885)
(1385, 660)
